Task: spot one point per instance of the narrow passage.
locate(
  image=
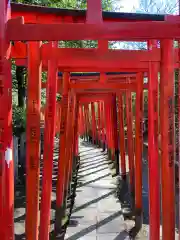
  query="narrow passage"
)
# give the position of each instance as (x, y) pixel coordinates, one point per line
(96, 213)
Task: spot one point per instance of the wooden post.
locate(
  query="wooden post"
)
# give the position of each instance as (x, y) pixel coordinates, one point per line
(49, 135)
(138, 149)
(6, 155)
(94, 11)
(99, 124)
(121, 134)
(115, 134)
(62, 156)
(130, 138)
(103, 126)
(33, 140)
(93, 123)
(153, 151)
(167, 139)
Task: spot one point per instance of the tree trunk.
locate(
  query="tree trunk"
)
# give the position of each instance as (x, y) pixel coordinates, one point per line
(21, 85)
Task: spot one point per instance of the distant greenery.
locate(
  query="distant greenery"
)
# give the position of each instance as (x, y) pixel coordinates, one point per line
(70, 4)
(19, 120)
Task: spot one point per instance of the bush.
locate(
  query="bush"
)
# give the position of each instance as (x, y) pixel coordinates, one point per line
(19, 120)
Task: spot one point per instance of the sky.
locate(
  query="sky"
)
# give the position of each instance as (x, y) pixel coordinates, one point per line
(128, 5)
(134, 5)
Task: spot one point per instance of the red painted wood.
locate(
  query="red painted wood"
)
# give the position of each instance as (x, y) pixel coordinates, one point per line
(110, 87)
(33, 140)
(95, 97)
(126, 31)
(99, 121)
(153, 151)
(72, 129)
(49, 135)
(138, 144)
(69, 140)
(107, 125)
(103, 122)
(93, 122)
(121, 134)
(115, 133)
(94, 12)
(6, 160)
(97, 54)
(84, 121)
(62, 144)
(167, 140)
(19, 50)
(9, 167)
(86, 114)
(111, 127)
(130, 138)
(100, 60)
(179, 117)
(76, 128)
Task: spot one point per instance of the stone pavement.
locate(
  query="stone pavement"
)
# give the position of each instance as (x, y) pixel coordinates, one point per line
(97, 213)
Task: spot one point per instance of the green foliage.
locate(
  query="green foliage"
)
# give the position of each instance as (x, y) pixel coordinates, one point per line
(19, 120)
(70, 4)
(13, 72)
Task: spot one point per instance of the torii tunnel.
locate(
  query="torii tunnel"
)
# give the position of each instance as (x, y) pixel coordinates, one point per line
(96, 87)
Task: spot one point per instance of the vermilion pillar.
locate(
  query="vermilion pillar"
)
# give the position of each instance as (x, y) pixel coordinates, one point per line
(179, 122)
(33, 140)
(103, 125)
(121, 134)
(49, 135)
(111, 128)
(153, 158)
(76, 128)
(81, 121)
(58, 116)
(94, 13)
(111, 123)
(130, 138)
(9, 163)
(167, 139)
(84, 122)
(62, 156)
(86, 114)
(108, 133)
(93, 122)
(116, 147)
(138, 145)
(69, 138)
(6, 156)
(99, 123)
(72, 123)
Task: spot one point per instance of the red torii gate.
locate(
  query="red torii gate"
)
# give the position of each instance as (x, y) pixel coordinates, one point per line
(94, 28)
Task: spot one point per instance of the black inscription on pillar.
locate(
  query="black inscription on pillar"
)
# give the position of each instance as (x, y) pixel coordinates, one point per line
(170, 132)
(33, 134)
(140, 112)
(63, 114)
(1, 87)
(1, 135)
(32, 163)
(155, 98)
(34, 110)
(1, 159)
(50, 102)
(155, 101)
